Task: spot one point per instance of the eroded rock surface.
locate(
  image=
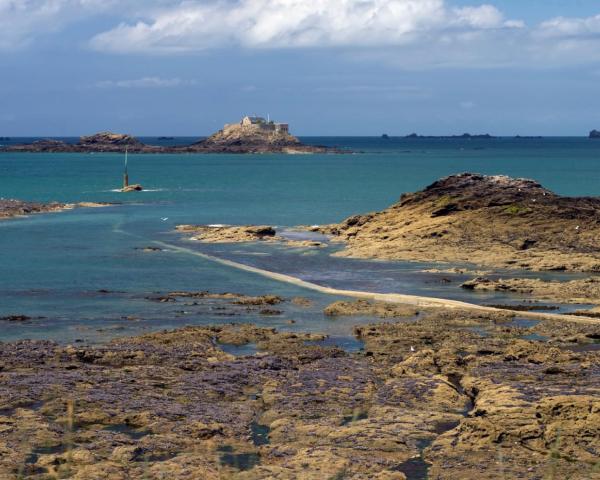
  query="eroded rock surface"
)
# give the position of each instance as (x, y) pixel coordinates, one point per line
(494, 221)
(241, 234)
(229, 234)
(460, 394)
(368, 308)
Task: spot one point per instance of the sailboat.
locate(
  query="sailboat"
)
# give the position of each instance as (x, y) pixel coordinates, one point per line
(126, 187)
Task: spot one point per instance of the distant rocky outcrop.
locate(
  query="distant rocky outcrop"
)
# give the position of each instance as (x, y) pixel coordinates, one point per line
(100, 142)
(495, 221)
(595, 134)
(104, 139)
(251, 135)
(465, 136)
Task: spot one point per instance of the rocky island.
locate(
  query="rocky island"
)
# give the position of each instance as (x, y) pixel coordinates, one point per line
(255, 135)
(494, 221)
(251, 135)
(595, 134)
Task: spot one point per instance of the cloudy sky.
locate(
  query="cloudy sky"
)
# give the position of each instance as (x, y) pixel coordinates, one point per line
(329, 67)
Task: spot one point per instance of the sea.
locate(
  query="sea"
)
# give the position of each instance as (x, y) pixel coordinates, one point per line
(84, 276)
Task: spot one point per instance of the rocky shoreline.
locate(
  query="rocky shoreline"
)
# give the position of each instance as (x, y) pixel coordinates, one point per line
(481, 400)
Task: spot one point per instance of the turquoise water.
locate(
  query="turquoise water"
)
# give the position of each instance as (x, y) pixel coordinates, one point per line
(54, 265)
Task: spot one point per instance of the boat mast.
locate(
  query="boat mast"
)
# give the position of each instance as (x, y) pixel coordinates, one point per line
(125, 174)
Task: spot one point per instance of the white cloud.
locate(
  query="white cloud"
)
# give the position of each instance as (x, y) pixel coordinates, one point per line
(409, 33)
(485, 16)
(199, 25)
(22, 20)
(562, 27)
(145, 82)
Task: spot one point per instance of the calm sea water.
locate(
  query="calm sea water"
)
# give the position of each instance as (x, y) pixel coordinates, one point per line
(53, 265)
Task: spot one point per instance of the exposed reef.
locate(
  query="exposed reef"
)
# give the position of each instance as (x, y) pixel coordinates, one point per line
(454, 395)
(17, 208)
(241, 234)
(13, 208)
(228, 234)
(367, 308)
(494, 221)
(574, 291)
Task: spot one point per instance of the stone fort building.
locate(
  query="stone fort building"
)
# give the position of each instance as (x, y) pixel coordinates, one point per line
(260, 124)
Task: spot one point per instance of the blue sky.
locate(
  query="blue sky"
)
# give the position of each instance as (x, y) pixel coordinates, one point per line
(328, 67)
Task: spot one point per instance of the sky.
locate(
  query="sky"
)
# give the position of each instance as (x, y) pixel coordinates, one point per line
(328, 67)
